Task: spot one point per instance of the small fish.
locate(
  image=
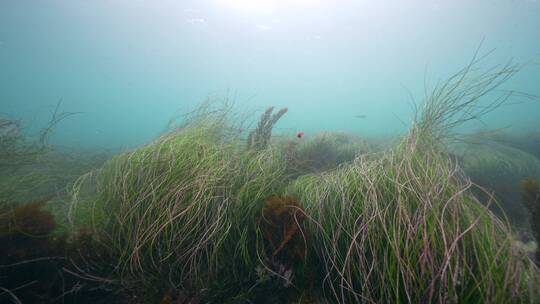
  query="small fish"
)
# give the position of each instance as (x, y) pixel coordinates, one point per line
(299, 134)
(360, 116)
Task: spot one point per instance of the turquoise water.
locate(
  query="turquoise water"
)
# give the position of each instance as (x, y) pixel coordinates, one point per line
(344, 214)
(129, 66)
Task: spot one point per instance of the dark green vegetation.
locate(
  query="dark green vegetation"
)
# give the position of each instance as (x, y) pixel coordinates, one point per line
(39, 265)
(206, 213)
(528, 142)
(36, 248)
(531, 197)
(500, 168)
(323, 152)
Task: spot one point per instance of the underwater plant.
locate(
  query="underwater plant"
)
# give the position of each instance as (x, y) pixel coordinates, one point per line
(260, 137)
(21, 155)
(196, 215)
(30, 254)
(323, 152)
(280, 222)
(14, 152)
(405, 226)
(36, 248)
(15, 148)
(527, 141)
(500, 169)
(531, 197)
(39, 263)
(184, 208)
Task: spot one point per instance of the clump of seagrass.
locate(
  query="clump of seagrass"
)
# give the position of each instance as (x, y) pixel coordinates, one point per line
(179, 212)
(15, 149)
(323, 152)
(531, 197)
(527, 141)
(20, 153)
(401, 226)
(466, 95)
(259, 138)
(501, 169)
(404, 227)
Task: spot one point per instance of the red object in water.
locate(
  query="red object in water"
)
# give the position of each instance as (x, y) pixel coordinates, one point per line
(300, 134)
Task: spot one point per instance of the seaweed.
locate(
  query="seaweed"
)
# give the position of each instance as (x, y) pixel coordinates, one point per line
(196, 213)
(15, 148)
(259, 138)
(280, 277)
(39, 259)
(40, 264)
(179, 207)
(500, 169)
(31, 256)
(404, 227)
(531, 197)
(527, 141)
(323, 152)
(280, 223)
(31, 220)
